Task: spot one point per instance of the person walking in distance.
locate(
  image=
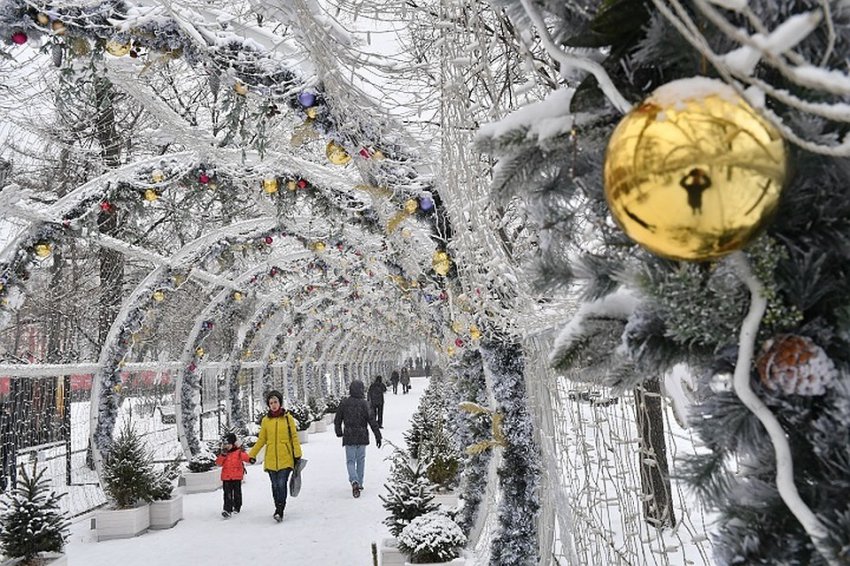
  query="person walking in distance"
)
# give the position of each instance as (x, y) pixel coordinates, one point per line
(375, 396)
(279, 434)
(352, 418)
(231, 458)
(394, 381)
(405, 380)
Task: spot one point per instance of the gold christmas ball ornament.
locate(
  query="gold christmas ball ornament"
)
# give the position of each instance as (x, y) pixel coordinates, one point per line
(474, 333)
(117, 48)
(337, 154)
(240, 88)
(291, 186)
(441, 262)
(157, 176)
(158, 296)
(319, 247)
(199, 352)
(311, 112)
(237, 296)
(410, 206)
(42, 249)
(270, 185)
(42, 18)
(694, 173)
(58, 27)
(151, 195)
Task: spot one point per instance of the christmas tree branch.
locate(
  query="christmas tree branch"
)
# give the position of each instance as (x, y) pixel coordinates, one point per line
(784, 462)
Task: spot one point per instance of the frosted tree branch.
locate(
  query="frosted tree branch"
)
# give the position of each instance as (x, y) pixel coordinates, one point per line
(570, 60)
(784, 462)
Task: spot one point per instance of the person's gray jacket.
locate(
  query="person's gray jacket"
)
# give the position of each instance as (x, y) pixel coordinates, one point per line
(352, 417)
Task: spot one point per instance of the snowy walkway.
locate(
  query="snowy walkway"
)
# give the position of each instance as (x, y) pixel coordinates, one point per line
(323, 526)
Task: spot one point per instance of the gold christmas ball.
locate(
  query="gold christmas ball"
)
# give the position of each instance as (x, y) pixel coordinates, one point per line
(457, 327)
(158, 296)
(58, 27)
(410, 206)
(42, 18)
(237, 296)
(150, 195)
(240, 88)
(337, 154)
(117, 48)
(157, 176)
(42, 249)
(441, 262)
(406, 233)
(291, 186)
(199, 352)
(270, 185)
(694, 173)
(319, 247)
(311, 112)
(474, 333)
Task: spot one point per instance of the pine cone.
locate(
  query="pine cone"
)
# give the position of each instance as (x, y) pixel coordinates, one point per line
(795, 365)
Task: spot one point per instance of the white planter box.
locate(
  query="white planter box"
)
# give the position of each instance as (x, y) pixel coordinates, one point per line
(303, 436)
(446, 500)
(328, 418)
(390, 554)
(320, 426)
(456, 562)
(200, 482)
(50, 559)
(165, 514)
(312, 427)
(122, 523)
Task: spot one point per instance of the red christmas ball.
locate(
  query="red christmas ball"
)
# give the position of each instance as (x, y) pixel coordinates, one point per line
(458, 342)
(364, 153)
(19, 38)
(106, 206)
(203, 178)
(268, 240)
(302, 184)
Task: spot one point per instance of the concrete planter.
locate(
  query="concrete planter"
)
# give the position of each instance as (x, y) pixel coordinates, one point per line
(312, 427)
(455, 562)
(122, 523)
(390, 554)
(49, 559)
(165, 514)
(320, 426)
(303, 436)
(201, 482)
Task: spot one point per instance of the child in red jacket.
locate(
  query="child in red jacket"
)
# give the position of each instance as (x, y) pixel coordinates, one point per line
(231, 460)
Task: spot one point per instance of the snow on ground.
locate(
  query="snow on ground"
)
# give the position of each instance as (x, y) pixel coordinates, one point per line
(323, 526)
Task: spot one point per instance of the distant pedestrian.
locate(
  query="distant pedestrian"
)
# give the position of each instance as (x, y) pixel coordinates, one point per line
(231, 458)
(375, 396)
(394, 381)
(279, 434)
(405, 380)
(352, 418)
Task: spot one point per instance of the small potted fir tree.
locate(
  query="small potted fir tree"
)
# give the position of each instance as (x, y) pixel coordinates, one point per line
(432, 539)
(128, 481)
(33, 529)
(301, 412)
(202, 475)
(166, 506)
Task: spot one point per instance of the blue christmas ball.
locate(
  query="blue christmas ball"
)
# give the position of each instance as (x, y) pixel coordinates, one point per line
(426, 203)
(306, 99)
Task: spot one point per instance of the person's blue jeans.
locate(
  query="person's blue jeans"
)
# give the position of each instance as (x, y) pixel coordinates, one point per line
(279, 479)
(355, 460)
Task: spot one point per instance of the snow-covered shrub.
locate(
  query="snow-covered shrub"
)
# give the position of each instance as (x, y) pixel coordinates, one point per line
(302, 414)
(31, 521)
(202, 462)
(164, 484)
(128, 473)
(409, 493)
(432, 537)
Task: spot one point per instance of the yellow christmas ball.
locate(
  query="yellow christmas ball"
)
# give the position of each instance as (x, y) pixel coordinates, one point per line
(441, 262)
(311, 112)
(42, 18)
(410, 206)
(450, 350)
(240, 88)
(237, 296)
(336, 153)
(58, 27)
(319, 247)
(457, 327)
(199, 352)
(694, 173)
(270, 185)
(474, 333)
(42, 249)
(291, 186)
(157, 176)
(150, 195)
(158, 296)
(117, 48)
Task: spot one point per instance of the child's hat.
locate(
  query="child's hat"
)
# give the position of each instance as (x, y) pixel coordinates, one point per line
(230, 438)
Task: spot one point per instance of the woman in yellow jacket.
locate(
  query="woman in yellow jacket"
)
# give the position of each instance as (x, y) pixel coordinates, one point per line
(279, 434)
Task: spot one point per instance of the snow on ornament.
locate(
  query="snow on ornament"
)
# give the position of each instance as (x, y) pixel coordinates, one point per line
(694, 172)
(795, 365)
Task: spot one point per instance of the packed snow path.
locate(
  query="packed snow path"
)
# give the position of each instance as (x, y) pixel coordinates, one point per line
(323, 526)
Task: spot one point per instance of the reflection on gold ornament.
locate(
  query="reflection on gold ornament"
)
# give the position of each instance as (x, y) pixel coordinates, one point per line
(150, 195)
(410, 206)
(240, 88)
(694, 179)
(158, 296)
(42, 249)
(157, 176)
(117, 48)
(337, 154)
(441, 262)
(474, 333)
(270, 185)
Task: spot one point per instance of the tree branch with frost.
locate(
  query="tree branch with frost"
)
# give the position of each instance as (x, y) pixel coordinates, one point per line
(570, 60)
(774, 48)
(784, 461)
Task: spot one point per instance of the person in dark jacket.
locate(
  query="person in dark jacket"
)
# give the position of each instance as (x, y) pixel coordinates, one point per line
(352, 417)
(375, 396)
(394, 381)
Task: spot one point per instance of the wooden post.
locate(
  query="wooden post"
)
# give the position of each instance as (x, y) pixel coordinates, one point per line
(654, 472)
